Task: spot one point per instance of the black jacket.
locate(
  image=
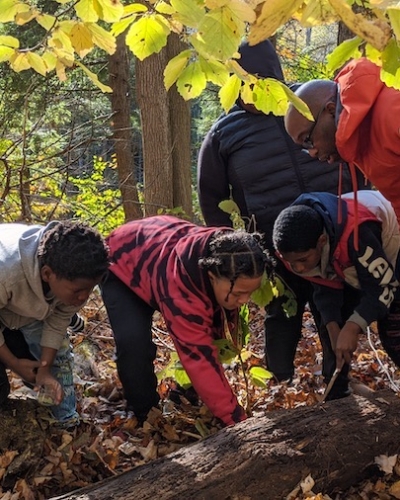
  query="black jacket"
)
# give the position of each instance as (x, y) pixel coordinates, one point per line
(251, 157)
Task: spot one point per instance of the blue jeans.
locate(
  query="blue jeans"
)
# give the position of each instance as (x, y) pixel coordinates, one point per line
(62, 370)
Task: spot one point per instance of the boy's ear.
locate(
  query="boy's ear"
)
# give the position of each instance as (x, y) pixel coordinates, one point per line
(46, 273)
(322, 241)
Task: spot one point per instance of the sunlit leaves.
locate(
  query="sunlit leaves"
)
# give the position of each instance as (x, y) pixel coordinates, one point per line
(6, 53)
(188, 12)
(349, 49)
(147, 36)
(394, 16)
(81, 39)
(192, 81)
(94, 78)
(37, 63)
(259, 376)
(102, 38)
(229, 92)
(175, 67)
(390, 72)
(10, 8)
(375, 32)
(268, 95)
(315, 12)
(274, 13)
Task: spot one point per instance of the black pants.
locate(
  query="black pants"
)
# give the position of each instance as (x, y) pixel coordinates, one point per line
(131, 322)
(16, 343)
(282, 334)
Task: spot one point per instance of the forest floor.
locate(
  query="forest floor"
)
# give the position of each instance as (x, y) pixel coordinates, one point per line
(108, 441)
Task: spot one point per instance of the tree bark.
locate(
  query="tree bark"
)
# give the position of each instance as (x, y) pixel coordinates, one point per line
(165, 120)
(122, 130)
(265, 458)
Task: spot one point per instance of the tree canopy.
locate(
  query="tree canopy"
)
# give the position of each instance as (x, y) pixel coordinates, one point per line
(212, 31)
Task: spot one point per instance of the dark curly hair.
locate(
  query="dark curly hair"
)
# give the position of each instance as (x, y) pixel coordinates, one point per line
(73, 250)
(236, 253)
(297, 229)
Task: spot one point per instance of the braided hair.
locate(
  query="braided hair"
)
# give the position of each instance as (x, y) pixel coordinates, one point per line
(236, 253)
(73, 250)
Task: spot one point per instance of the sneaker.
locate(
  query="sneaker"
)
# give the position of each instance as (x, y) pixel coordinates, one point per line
(77, 323)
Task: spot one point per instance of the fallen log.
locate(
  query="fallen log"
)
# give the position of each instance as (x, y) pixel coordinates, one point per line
(266, 457)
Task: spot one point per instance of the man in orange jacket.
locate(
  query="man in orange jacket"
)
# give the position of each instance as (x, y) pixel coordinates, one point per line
(356, 119)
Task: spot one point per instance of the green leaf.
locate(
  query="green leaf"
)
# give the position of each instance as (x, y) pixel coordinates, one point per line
(300, 105)
(188, 12)
(94, 78)
(394, 16)
(9, 41)
(147, 36)
(227, 352)
(215, 71)
(268, 95)
(229, 207)
(390, 60)
(86, 11)
(175, 67)
(259, 375)
(192, 81)
(37, 63)
(6, 53)
(229, 92)
(181, 377)
(349, 49)
(218, 35)
(265, 293)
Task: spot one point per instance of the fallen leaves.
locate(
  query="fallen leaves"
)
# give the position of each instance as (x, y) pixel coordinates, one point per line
(110, 441)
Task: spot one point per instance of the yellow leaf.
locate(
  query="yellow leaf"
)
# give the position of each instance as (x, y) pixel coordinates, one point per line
(164, 8)
(8, 10)
(120, 26)
(94, 78)
(375, 32)
(19, 62)
(46, 21)
(37, 63)
(274, 14)
(315, 12)
(61, 44)
(192, 81)
(147, 36)
(102, 38)
(215, 71)
(60, 70)
(188, 12)
(219, 34)
(300, 105)
(394, 16)
(134, 7)
(81, 39)
(112, 10)
(394, 489)
(85, 9)
(6, 53)
(175, 67)
(25, 17)
(9, 41)
(268, 95)
(50, 60)
(229, 92)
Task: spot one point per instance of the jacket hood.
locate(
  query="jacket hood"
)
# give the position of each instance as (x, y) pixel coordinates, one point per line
(327, 205)
(260, 60)
(359, 85)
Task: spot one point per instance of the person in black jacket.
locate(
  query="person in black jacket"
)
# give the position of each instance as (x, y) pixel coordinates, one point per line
(247, 155)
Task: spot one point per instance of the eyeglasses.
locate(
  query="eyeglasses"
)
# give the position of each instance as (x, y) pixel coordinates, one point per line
(308, 141)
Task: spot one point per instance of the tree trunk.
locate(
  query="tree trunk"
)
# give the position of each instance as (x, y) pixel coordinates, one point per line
(123, 143)
(165, 122)
(265, 458)
(179, 117)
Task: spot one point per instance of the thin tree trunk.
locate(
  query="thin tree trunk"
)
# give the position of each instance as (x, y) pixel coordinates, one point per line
(122, 133)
